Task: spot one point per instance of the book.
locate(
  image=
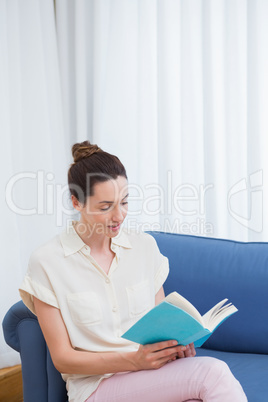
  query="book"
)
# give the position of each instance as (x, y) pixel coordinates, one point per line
(176, 318)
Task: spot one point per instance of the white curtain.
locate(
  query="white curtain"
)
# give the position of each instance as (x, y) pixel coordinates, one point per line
(176, 88)
(34, 152)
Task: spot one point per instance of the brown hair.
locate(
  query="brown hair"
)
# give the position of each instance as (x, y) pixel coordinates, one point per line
(91, 165)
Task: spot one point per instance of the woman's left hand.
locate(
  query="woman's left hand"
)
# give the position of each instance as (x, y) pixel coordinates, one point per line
(189, 352)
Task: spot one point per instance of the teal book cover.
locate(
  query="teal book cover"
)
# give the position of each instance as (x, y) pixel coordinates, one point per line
(167, 321)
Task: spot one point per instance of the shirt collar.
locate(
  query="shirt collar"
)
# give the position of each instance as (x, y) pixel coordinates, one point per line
(72, 242)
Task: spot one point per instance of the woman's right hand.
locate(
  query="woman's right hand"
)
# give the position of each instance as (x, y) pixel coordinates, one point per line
(156, 355)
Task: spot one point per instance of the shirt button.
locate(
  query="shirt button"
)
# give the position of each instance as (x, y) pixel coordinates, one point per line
(114, 309)
(86, 247)
(107, 280)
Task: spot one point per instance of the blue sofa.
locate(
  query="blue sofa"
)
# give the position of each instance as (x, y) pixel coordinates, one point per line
(205, 271)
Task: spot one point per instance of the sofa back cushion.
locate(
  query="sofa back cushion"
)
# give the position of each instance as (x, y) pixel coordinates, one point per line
(207, 270)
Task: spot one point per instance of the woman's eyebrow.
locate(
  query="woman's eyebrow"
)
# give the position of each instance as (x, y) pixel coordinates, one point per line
(111, 202)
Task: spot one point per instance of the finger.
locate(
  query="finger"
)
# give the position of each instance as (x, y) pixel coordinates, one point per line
(181, 354)
(188, 352)
(161, 345)
(192, 349)
(166, 359)
(170, 352)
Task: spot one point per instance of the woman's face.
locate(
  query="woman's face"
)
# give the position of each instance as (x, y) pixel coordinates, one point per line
(105, 211)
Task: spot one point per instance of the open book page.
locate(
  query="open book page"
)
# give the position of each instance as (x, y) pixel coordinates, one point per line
(177, 300)
(212, 312)
(218, 314)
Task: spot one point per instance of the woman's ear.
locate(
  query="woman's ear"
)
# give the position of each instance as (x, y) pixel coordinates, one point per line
(76, 204)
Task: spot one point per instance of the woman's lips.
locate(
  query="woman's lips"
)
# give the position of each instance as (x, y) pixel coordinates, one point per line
(114, 228)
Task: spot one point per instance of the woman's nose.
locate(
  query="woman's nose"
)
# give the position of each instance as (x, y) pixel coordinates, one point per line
(118, 214)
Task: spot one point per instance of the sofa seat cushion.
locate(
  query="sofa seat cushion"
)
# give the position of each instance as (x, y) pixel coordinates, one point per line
(251, 370)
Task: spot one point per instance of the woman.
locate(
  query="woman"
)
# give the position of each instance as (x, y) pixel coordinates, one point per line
(93, 282)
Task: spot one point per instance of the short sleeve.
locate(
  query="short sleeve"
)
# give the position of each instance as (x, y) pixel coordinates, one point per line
(161, 265)
(161, 274)
(36, 283)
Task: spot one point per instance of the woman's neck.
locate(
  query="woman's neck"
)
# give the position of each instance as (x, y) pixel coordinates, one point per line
(98, 242)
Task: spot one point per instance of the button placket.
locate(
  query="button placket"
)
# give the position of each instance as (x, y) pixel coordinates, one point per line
(115, 260)
(86, 251)
(114, 306)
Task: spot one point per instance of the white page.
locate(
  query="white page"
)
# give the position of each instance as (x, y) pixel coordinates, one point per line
(177, 300)
(222, 315)
(217, 318)
(214, 310)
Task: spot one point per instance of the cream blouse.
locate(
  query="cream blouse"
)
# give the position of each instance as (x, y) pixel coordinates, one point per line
(97, 308)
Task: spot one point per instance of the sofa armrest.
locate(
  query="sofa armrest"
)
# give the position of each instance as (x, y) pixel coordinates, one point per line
(12, 320)
(41, 381)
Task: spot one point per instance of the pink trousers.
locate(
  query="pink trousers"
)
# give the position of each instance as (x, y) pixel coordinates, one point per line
(189, 379)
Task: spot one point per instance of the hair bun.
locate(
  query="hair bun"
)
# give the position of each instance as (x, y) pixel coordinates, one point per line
(83, 150)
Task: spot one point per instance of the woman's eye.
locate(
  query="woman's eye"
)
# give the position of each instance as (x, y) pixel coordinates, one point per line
(105, 209)
(109, 206)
